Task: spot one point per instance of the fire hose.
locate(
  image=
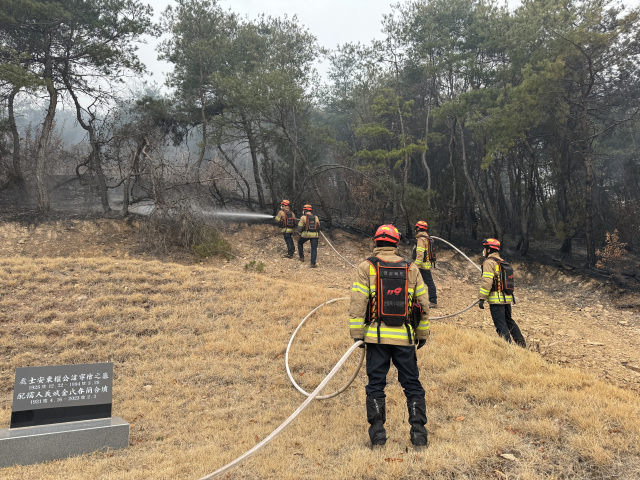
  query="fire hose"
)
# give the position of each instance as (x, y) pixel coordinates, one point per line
(316, 393)
(435, 238)
(327, 240)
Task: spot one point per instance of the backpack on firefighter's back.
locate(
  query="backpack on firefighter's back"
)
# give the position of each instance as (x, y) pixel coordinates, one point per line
(311, 224)
(504, 282)
(390, 304)
(288, 221)
(429, 254)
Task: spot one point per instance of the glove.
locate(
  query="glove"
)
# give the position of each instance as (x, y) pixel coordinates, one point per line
(421, 343)
(481, 304)
(358, 340)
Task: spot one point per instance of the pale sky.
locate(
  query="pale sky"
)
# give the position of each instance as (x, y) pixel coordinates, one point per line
(333, 22)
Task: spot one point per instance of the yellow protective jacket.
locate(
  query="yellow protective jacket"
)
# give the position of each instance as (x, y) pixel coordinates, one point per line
(422, 249)
(280, 216)
(364, 287)
(488, 292)
(302, 224)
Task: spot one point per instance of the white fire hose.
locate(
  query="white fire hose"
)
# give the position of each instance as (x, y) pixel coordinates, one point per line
(327, 240)
(316, 393)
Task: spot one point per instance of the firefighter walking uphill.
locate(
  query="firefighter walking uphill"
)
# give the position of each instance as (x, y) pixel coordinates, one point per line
(287, 221)
(385, 311)
(425, 259)
(309, 228)
(497, 290)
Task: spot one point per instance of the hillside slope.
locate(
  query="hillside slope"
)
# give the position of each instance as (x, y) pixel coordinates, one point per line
(199, 372)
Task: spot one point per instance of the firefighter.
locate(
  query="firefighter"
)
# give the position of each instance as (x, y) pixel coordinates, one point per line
(387, 337)
(309, 228)
(287, 221)
(424, 261)
(493, 293)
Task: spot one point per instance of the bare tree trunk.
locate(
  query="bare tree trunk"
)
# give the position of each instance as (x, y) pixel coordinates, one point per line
(542, 202)
(450, 213)
(203, 148)
(96, 160)
(529, 207)
(132, 169)
(405, 176)
(96, 165)
(588, 192)
(254, 158)
(235, 169)
(17, 171)
(44, 203)
(424, 154)
(489, 213)
(266, 162)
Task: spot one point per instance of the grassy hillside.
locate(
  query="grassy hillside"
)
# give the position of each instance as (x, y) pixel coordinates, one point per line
(199, 373)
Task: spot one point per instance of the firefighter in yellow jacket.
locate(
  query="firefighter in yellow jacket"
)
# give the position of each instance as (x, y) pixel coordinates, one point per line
(385, 291)
(287, 221)
(424, 263)
(309, 228)
(492, 292)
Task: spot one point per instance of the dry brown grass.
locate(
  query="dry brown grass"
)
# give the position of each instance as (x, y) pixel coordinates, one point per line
(199, 373)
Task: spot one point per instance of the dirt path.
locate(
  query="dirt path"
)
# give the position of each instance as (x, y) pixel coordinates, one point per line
(567, 319)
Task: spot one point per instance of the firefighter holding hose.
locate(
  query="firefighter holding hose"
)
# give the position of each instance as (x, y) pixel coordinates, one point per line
(425, 259)
(386, 313)
(497, 290)
(287, 221)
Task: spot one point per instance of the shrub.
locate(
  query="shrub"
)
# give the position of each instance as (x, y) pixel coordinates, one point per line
(208, 241)
(253, 265)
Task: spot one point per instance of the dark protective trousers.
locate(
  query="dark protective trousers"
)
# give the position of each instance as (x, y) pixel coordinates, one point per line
(288, 238)
(406, 362)
(314, 248)
(505, 325)
(427, 278)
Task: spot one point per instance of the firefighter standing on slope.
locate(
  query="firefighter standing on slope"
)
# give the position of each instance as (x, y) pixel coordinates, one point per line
(492, 290)
(386, 314)
(309, 228)
(425, 260)
(287, 221)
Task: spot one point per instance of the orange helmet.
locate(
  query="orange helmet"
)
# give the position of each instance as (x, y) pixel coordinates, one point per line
(491, 243)
(422, 225)
(285, 203)
(306, 207)
(387, 233)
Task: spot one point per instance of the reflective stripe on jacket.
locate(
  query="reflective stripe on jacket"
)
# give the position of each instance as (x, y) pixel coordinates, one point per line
(490, 269)
(422, 251)
(364, 286)
(302, 224)
(279, 218)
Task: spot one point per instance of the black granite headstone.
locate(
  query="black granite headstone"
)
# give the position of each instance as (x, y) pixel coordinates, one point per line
(61, 393)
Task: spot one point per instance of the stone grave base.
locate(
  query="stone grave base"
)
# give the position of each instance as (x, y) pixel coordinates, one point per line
(29, 445)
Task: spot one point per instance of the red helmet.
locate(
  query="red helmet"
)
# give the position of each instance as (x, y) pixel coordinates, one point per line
(491, 243)
(422, 225)
(387, 233)
(306, 207)
(285, 203)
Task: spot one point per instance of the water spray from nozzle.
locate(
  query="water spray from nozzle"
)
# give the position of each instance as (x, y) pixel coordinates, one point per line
(241, 214)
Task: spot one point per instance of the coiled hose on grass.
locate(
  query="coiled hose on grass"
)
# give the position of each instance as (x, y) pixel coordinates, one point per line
(316, 393)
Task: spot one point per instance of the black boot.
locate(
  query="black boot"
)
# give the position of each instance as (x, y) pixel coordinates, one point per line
(376, 416)
(290, 252)
(417, 419)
